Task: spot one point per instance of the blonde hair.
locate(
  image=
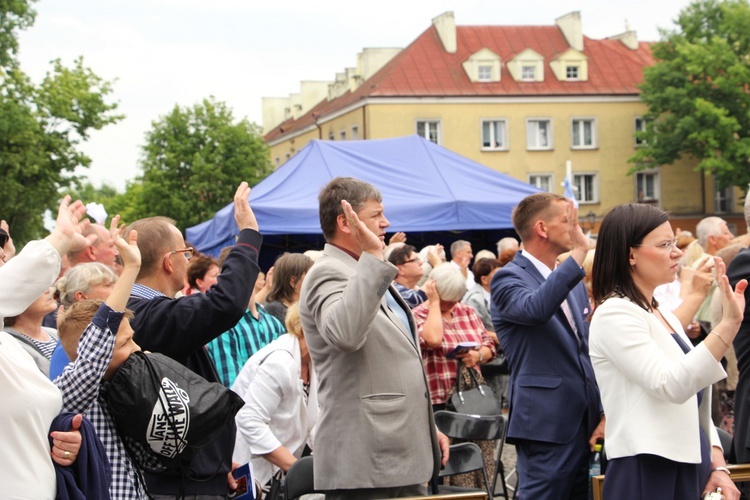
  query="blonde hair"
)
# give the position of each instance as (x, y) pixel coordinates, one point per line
(72, 322)
(293, 322)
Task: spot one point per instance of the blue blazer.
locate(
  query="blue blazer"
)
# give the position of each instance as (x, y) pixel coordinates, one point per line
(552, 384)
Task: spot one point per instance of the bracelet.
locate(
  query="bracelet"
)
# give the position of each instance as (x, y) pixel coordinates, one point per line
(722, 469)
(481, 356)
(725, 343)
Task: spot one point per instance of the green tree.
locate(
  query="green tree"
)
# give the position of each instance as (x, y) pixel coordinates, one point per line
(194, 158)
(41, 126)
(698, 93)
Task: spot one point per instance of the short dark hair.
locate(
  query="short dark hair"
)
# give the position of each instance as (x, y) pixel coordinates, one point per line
(401, 254)
(483, 267)
(623, 227)
(530, 209)
(198, 267)
(288, 266)
(355, 191)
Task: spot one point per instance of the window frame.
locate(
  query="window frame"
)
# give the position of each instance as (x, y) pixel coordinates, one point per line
(526, 78)
(549, 175)
(653, 200)
(639, 143)
(578, 193)
(355, 132)
(594, 132)
(504, 146)
(550, 134)
(484, 78)
(438, 128)
(577, 68)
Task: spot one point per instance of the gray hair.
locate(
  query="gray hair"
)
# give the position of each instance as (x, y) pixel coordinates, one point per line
(81, 278)
(710, 226)
(451, 285)
(458, 245)
(506, 243)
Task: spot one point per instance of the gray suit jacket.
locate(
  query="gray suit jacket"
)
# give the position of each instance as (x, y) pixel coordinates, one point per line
(376, 427)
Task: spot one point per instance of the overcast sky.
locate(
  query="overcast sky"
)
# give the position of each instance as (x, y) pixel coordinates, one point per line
(167, 52)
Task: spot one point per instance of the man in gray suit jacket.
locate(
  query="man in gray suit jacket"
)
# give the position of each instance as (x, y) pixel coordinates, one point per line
(376, 436)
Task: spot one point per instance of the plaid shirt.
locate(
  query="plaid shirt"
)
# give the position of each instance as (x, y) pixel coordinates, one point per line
(80, 387)
(230, 350)
(466, 326)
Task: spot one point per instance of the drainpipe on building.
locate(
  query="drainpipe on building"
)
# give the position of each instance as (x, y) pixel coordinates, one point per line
(320, 130)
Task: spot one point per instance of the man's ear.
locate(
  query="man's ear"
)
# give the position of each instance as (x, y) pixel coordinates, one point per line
(166, 263)
(90, 252)
(540, 228)
(343, 224)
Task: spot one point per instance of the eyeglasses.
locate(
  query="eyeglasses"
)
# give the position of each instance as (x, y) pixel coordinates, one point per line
(668, 245)
(415, 259)
(186, 252)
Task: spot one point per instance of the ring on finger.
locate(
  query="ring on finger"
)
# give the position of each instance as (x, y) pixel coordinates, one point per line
(66, 454)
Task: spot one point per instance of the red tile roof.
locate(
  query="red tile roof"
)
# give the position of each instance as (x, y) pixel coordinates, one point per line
(425, 69)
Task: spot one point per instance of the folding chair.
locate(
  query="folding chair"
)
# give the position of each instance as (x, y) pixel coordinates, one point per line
(299, 479)
(476, 427)
(464, 457)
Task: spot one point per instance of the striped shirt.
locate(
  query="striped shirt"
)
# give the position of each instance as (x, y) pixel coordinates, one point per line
(230, 350)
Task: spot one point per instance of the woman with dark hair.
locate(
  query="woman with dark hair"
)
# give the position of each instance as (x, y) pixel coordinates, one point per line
(288, 272)
(660, 440)
(202, 273)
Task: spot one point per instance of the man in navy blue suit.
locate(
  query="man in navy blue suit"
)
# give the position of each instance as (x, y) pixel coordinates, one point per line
(539, 311)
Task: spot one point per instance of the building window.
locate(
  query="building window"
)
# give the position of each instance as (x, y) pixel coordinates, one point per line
(355, 132)
(587, 187)
(278, 160)
(429, 129)
(495, 135)
(484, 73)
(528, 73)
(640, 126)
(538, 133)
(647, 187)
(541, 181)
(571, 72)
(584, 133)
(722, 199)
(331, 136)
(342, 135)
(288, 155)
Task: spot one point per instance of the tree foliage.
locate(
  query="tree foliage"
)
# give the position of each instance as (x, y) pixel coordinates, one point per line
(698, 93)
(193, 160)
(41, 127)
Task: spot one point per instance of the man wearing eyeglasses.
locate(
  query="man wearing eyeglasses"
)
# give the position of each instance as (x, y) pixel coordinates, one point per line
(180, 328)
(409, 265)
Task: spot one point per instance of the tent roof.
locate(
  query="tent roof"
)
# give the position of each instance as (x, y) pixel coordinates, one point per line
(425, 187)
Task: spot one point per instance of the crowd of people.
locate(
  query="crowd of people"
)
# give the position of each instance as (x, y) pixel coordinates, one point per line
(346, 352)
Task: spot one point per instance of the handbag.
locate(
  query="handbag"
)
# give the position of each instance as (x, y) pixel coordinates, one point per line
(479, 400)
(276, 491)
(165, 408)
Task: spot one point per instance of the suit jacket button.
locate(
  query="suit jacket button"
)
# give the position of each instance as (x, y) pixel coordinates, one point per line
(427, 394)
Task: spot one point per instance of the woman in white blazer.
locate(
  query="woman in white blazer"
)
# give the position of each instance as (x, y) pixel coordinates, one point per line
(279, 387)
(659, 437)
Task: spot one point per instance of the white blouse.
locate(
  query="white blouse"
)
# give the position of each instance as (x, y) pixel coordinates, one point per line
(276, 412)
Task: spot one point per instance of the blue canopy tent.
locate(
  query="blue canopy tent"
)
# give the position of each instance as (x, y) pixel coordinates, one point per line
(425, 188)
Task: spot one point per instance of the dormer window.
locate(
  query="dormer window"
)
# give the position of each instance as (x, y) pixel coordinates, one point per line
(570, 66)
(484, 73)
(482, 66)
(527, 66)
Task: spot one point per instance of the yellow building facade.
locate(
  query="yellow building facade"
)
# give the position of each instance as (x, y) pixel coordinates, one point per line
(527, 135)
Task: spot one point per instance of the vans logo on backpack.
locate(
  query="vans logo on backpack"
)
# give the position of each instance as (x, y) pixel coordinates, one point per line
(170, 420)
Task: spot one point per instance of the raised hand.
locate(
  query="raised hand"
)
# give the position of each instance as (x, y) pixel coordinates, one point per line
(431, 291)
(129, 252)
(368, 241)
(67, 233)
(243, 214)
(399, 237)
(732, 301)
